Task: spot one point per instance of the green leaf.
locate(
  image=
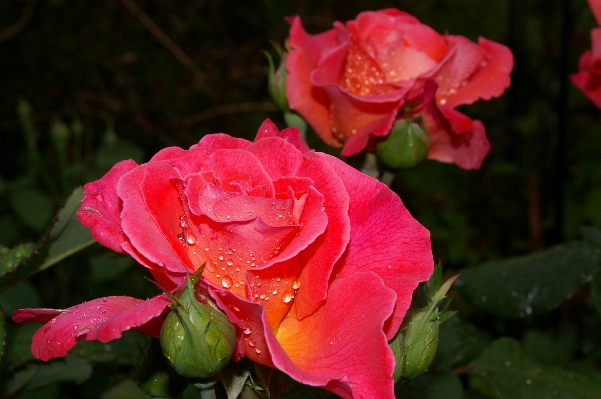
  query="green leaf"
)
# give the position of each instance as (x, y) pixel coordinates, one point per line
(531, 284)
(126, 389)
(551, 347)
(36, 375)
(234, 378)
(33, 207)
(442, 385)
(592, 234)
(10, 258)
(505, 371)
(18, 349)
(436, 279)
(65, 237)
(459, 343)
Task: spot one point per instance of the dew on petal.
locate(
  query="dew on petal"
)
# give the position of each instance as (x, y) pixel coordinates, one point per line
(190, 238)
(296, 284)
(288, 297)
(226, 282)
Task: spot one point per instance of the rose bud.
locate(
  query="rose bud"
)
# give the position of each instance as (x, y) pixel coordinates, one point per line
(414, 346)
(420, 339)
(405, 146)
(197, 339)
(277, 79)
(156, 377)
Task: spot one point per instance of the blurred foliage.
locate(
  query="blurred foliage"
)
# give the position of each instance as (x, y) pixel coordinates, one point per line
(86, 84)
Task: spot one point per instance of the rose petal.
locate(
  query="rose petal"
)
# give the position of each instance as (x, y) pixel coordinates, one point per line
(290, 134)
(595, 6)
(588, 79)
(384, 239)
(303, 96)
(100, 208)
(151, 215)
(454, 137)
(103, 319)
(341, 347)
(475, 71)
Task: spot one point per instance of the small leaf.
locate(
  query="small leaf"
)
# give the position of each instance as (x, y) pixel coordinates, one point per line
(436, 279)
(36, 375)
(234, 377)
(126, 389)
(65, 237)
(530, 284)
(505, 371)
(10, 258)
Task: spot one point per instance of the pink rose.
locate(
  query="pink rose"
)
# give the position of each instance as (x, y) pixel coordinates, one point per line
(312, 261)
(588, 79)
(351, 82)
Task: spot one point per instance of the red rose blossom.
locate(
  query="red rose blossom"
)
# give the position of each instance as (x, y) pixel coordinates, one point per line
(588, 79)
(350, 82)
(312, 261)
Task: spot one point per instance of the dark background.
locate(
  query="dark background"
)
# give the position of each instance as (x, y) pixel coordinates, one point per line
(109, 80)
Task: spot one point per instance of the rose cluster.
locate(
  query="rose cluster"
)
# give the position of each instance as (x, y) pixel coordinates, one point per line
(353, 82)
(313, 262)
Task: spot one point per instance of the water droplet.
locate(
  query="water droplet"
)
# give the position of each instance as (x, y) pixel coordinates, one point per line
(190, 238)
(247, 331)
(528, 382)
(296, 284)
(252, 343)
(258, 350)
(207, 249)
(274, 292)
(288, 297)
(104, 299)
(229, 262)
(220, 257)
(226, 282)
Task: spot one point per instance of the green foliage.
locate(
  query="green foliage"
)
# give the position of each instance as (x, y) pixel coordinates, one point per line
(505, 371)
(66, 236)
(531, 284)
(72, 368)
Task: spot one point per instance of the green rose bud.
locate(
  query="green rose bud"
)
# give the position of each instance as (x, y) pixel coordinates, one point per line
(197, 339)
(406, 145)
(277, 79)
(415, 345)
(419, 343)
(156, 377)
